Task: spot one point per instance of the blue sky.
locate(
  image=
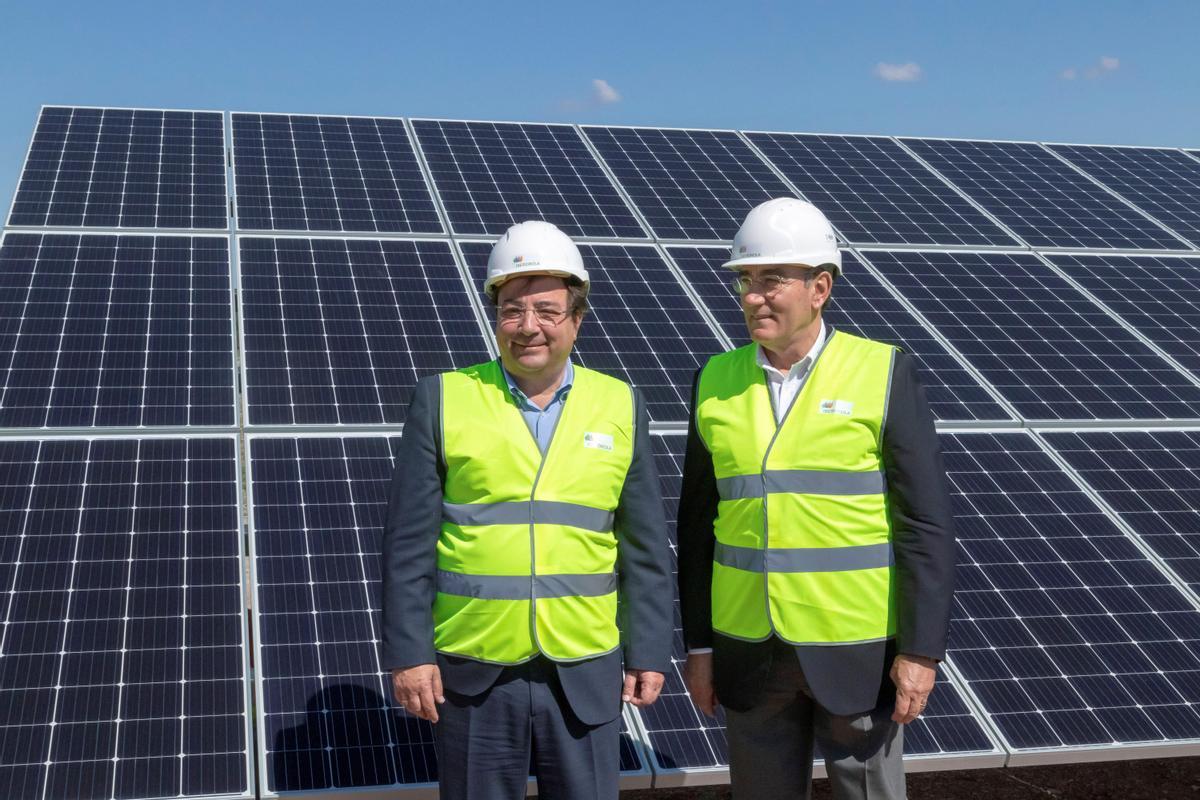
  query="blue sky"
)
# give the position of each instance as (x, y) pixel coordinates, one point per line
(1077, 71)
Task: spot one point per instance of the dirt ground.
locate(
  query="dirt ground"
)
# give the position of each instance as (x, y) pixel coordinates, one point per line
(1165, 779)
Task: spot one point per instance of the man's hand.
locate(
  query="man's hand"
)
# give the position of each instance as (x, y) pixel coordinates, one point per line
(419, 690)
(913, 676)
(641, 686)
(698, 677)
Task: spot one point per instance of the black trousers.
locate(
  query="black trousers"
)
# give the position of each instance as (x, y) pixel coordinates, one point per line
(771, 745)
(488, 744)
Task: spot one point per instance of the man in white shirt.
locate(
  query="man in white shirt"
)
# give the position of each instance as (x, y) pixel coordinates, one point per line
(816, 552)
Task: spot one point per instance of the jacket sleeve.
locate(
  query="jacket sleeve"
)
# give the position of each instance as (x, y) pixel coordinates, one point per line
(922, 517)
(409, 551)
(643, 556)
(694, 532)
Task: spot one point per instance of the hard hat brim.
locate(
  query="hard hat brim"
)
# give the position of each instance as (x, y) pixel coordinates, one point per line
(496, 281)
(757, 261)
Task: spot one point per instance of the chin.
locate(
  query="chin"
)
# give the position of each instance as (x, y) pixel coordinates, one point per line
(531, 362)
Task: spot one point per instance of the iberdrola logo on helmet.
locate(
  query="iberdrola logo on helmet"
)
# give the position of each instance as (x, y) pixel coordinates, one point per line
(518, 259)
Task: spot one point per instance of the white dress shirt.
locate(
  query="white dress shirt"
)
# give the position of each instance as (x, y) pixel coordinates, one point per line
(784, 386)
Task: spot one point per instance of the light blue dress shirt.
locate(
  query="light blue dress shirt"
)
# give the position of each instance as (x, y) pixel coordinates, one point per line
(542, 421)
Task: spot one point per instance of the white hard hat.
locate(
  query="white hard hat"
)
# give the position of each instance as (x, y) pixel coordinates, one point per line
(786, 231)
(533, 248)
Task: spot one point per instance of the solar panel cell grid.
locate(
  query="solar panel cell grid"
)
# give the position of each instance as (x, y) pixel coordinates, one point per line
(1046, 347)
(1163, 183)
(1157, 295)
(121, 654)
(1064, 630)
(1152, 480)
(118, 168)
(641, 326)
(862, 306)
(688, 184)
(491, 175)
(338, 331)
(102, 330)
(873, 191)
(318, 513)
(1041, 199)
(307, 173)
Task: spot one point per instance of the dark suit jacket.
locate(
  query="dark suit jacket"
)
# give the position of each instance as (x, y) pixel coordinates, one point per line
(852, 678)
(592, 687)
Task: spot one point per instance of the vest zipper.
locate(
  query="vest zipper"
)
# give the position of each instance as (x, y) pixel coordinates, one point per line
(532, 539)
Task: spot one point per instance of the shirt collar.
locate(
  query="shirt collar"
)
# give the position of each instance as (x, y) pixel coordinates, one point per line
(524, 402)
(800, 366)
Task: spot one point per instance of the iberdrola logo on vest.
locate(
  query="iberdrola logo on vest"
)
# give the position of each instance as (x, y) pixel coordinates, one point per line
(597, 441)
(843, 407)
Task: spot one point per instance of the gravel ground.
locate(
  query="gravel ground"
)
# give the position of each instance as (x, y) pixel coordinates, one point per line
(1165, 779)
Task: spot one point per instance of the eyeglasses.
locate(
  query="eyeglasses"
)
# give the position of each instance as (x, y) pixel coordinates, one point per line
(545, 315)
(768, 285)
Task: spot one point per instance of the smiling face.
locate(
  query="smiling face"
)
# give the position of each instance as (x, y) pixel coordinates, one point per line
(782, 304)
(535, 325)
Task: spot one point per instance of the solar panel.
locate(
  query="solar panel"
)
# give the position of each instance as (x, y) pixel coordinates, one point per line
(641, 327)
(307, 173)
(1158, 296)
(1040, 198)
(1065, 632)
(326, 718)
(1152, 480)
(688, 184)
(99, 330)
(337, 331)
(122, 663)
(1048, 349)
(862, 306)
(875, 192)
(491, 175)
(120, 168)
(1163, 183)
(682, 738)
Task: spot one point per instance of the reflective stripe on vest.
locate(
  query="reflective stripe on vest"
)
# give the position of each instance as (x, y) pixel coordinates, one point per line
(803, 534)
(527, 554)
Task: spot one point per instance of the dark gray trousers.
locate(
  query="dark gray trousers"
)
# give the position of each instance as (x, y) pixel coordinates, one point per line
(488, 744)
(771, 746)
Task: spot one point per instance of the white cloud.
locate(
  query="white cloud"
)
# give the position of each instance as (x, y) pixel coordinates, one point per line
(603, 91)
(1105, 65)
(898, 72)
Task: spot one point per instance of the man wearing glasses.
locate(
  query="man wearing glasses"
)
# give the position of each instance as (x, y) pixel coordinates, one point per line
(816, 552)
(525, 503)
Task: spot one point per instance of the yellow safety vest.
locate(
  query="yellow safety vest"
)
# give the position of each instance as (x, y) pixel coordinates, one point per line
(526, 558)
(804, 539)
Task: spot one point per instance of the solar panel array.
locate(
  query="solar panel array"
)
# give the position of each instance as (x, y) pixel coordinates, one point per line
(119, 168)
(1165, 184)
(1040, 197)
(875, 191)
(1064, 629)
(189, 297)
(337, 331)
(687, 184)
(303, 173)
